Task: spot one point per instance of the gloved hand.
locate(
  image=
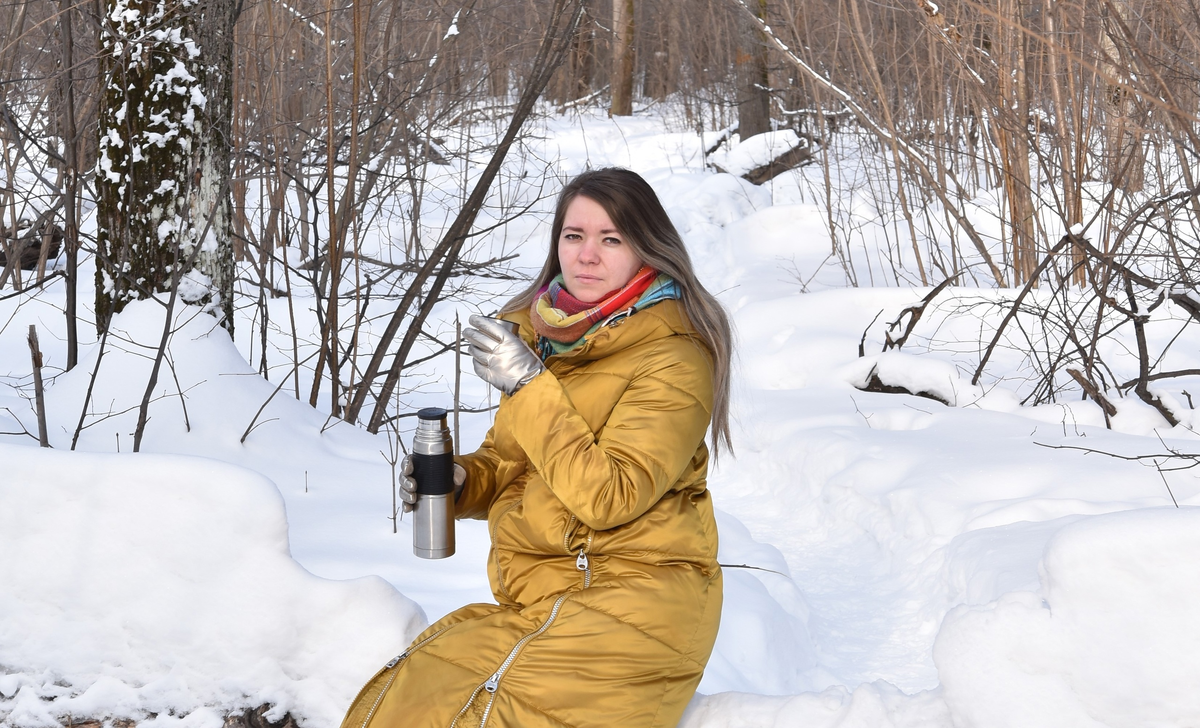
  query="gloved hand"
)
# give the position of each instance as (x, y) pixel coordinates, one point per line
(501, 358)
(408, 486)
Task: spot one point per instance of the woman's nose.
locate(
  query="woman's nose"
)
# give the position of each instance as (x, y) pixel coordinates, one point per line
(589, 252)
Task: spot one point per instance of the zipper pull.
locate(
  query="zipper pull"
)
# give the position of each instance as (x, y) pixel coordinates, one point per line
(581, 561)
(493, 683)
(396, 660)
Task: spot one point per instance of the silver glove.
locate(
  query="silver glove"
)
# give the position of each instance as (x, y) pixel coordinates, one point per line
(501, 358)
(408, 487)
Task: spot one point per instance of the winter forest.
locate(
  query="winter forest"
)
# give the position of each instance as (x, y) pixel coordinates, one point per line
(959, 244)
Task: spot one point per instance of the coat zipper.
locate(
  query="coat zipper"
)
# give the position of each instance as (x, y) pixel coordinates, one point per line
(569, 532)
(583, 564)
(492, 684)
(470, 700)
(581, 560)
(392, 663)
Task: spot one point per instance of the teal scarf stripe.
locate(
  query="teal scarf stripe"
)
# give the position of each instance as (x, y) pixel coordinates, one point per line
(662, 289)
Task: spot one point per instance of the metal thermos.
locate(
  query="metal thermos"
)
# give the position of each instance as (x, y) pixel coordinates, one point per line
(433, 469)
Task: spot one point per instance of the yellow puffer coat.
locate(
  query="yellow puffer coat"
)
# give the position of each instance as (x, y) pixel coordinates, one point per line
(604, 548)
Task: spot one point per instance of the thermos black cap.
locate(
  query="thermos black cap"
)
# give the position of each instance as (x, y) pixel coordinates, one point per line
(431, 413)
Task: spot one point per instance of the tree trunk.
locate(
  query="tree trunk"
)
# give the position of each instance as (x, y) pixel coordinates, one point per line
(583, 58)
(1125, 153)
(754, 100)
(70, 183)
(622, 58)
(1072, 198)
(1012, 133)
(164, 141)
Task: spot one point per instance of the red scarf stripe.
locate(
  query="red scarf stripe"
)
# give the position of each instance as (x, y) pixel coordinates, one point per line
(578, 327)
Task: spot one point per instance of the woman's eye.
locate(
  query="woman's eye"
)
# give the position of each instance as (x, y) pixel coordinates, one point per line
(612, 241)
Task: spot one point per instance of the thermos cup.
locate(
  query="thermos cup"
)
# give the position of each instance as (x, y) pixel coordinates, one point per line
(433, 469)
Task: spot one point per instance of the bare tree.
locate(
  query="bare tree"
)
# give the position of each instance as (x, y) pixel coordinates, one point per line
(623, 56)
(563, 21)
(754, 99)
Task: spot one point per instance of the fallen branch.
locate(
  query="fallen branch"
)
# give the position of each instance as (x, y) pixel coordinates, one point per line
(1093, 391)
(796, 157)
(875, 384)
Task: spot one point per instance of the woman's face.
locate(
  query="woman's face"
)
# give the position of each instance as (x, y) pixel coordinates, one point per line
(594, 255)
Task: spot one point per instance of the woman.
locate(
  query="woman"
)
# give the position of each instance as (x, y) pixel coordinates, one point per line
(604, 545)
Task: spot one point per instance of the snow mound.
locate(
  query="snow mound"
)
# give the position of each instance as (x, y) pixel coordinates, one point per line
(873, 705)
(923, 375)
(141, 585)
(756, 151)
(1106, 641)
(926, 375)
(763, 645)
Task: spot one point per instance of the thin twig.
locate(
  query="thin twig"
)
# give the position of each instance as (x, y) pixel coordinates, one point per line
(250, 427)
(1173, 455)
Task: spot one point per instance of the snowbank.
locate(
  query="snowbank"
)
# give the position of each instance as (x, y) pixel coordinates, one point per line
(1109, 639)
(134, 585)
(763, 645)
(756, 151)
(871, 705)
(920, 375)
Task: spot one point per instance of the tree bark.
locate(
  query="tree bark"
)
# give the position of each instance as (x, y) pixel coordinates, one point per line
(622, 58)
(70, 184)
(1012, 141)
(583, 58)
(1125, 153)
(35, 353)
(164, 143)
(1072, 199)
(754, 100)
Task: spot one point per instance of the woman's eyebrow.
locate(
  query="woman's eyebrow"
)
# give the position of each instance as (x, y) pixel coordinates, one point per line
(604, 232)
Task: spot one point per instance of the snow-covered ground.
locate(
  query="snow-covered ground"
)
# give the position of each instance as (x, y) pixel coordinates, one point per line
(893, 561)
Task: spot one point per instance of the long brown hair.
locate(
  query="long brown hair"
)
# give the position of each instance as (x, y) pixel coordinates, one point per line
(636, 211)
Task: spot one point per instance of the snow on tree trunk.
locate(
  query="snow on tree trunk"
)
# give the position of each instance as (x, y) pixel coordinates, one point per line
(163, 166)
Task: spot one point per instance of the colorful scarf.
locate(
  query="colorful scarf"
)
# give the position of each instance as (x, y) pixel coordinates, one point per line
(563, 321)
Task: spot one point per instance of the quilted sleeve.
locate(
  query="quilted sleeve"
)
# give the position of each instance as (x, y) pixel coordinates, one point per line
(649, 439)
(480, 489)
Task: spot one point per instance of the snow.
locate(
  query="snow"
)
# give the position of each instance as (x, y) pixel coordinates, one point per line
(755, 151)
(453, 29)
(194, 286)
(163, 584)
(1104, 640)
(890, 560)
(917, 374)
(870, 704)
